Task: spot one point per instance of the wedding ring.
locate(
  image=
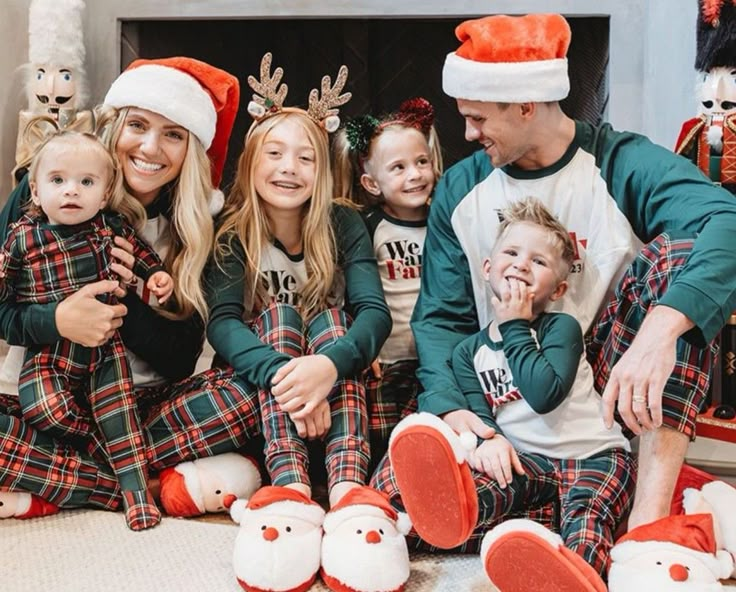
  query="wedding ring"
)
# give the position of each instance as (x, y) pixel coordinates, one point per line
(638, 398)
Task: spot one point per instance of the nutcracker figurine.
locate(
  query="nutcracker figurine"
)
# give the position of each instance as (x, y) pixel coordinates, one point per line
(709, 140)
(56, 83)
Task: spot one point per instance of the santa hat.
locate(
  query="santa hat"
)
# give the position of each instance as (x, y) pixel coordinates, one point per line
(185, 487)
(56, 33)
(361, 502)
(193, 94)
(693, 533)
(716, 34)
(509, 59)
(284, 502)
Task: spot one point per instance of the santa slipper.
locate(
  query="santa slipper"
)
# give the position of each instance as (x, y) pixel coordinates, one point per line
(521, 555)
(429, 462)
(363, 547)
(22, 505)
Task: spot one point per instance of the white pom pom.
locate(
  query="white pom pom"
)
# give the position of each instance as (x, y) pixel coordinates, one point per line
(217, 201)
(256, 110)
(714, 136)
(237, 510)
(469, 441)
(331, 123)
(403, 523)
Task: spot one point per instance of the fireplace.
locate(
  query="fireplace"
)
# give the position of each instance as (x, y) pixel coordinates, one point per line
(388, 60)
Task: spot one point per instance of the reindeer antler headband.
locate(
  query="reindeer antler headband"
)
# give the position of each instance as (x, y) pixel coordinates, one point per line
(269, 96)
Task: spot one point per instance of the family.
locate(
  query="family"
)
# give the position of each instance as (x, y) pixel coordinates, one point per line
(539, 304)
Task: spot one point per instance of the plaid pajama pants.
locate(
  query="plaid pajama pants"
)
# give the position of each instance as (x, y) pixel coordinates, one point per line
(207, 414)
(54, 377)
(347, 451)
(585, 500)
(390, 398)
(646, 280)
(641, 287)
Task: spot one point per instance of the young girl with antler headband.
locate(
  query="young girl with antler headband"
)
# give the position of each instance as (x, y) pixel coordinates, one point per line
(298, 311)
(390, 166)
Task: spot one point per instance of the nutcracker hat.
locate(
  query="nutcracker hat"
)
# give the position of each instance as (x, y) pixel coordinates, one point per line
(56, 33)
(193, 94)
(509, 59)
(716, 34)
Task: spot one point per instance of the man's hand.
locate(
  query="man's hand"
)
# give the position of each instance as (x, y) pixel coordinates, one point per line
(639, 377)
(83, 319)
(497, 459)
(302, 383)
(463, 420)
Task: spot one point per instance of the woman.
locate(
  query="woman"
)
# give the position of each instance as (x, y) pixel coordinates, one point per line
(170, 138)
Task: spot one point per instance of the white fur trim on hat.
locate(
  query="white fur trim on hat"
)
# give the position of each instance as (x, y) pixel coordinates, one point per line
(312, 513)
(505, 82)
(335, 518)
(461, 444)
(168, 92)
(721, 564)
(188, 470)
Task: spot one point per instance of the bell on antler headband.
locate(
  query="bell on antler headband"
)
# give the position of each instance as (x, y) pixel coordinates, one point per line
(269, 96)
(360, 131)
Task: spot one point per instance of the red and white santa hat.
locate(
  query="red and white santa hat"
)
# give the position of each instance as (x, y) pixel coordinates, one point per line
(693, 533)
(193, 94)
(361, 502)
(509, 59)
(282, 502)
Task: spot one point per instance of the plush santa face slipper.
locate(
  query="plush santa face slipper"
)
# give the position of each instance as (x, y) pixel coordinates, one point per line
(24, 505)
(363, 547)
(429, 461)
(279, 542)
(521, 555)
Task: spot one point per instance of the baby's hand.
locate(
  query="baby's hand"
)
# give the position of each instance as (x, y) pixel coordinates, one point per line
(162, 285)
(515, 301)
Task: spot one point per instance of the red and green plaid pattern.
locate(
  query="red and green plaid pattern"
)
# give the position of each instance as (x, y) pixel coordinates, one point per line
(584, 500)
(644, 283)
(390, 398)
(346, 444)
(204, 415)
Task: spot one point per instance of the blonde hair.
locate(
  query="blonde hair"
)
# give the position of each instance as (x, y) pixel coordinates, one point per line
(191, 227)
(531, 211)
(46, 128)
(349, 165)
(245, 220)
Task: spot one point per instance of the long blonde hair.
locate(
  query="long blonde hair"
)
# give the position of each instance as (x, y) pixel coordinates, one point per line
(191, 227)
(245, 220)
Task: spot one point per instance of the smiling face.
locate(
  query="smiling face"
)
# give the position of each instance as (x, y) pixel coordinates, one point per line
(499, 128)
(71, 180)
(285, 168)
(527, 253)
(400, 169)
(151, 151)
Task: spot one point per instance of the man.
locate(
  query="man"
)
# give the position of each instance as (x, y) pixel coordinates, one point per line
(617, 193)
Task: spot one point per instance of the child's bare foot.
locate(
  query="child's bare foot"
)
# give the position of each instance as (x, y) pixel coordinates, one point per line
(140, 510)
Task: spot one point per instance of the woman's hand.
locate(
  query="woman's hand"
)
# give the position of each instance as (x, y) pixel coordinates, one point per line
(122, 265)
(302, 383)
(83, 319)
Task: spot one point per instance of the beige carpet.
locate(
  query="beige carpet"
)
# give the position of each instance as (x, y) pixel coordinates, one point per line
(93, 551)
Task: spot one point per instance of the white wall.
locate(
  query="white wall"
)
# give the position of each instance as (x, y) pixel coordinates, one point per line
(652, 48)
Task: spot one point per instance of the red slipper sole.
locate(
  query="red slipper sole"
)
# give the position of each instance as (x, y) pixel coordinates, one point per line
(438, 494)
